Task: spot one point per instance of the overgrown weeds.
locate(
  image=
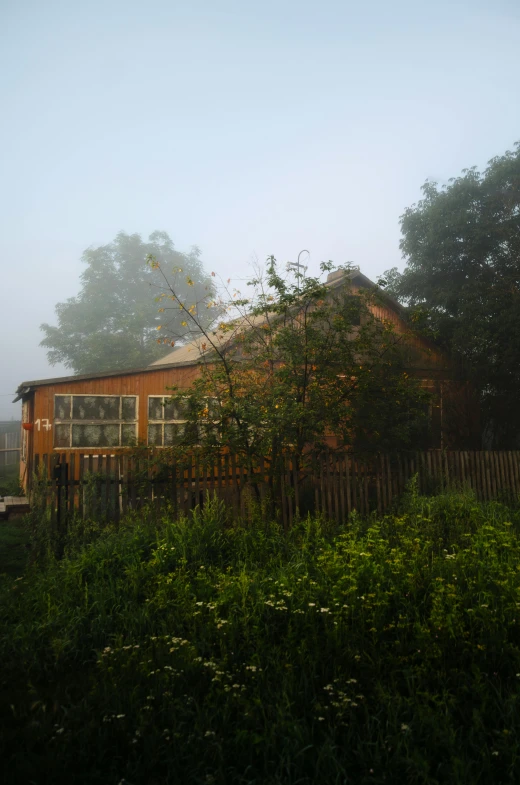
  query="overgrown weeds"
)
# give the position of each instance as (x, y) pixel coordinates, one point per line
(192, 650)
(10, 480)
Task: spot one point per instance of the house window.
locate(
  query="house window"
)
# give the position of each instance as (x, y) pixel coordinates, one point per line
(92, 421)
(167, 420)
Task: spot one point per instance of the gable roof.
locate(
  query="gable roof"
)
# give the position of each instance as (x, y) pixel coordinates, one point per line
(186, 352)
(191, 352)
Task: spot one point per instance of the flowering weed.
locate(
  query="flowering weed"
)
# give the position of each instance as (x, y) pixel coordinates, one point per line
(198, 650)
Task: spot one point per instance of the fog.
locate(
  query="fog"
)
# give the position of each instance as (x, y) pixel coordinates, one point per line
(247, 129)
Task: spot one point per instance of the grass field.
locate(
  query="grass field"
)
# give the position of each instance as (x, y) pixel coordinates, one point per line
(195, 651)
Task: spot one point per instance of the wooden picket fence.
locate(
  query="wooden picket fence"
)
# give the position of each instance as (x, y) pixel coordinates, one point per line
(331, 483)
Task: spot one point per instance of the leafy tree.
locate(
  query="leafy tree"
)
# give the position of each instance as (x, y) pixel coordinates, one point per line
(111, 324)
(461, 244)
(296, 361)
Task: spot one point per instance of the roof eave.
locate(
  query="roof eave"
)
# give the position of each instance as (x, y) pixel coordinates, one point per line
(27, 387)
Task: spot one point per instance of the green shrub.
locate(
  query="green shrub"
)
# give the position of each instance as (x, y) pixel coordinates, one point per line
(203, 651)
(10, 480)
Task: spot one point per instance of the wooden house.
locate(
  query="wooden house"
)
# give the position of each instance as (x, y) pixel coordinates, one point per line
(109, 411)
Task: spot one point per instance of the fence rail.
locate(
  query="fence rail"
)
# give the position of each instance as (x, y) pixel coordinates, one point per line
(330, 483)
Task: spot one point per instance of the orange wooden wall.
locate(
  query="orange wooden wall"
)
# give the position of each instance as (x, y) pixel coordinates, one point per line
(141, 384)
(421, 352)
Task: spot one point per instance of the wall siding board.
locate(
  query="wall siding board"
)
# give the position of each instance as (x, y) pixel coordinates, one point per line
(140, 384)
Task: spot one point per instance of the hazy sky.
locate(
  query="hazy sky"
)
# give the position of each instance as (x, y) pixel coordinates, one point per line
(246, 128)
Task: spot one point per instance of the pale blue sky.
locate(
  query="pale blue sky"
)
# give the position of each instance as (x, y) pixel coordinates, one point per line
(246, 128)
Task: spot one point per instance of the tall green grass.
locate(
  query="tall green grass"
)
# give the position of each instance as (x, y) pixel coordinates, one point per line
(14, 544)
(194, 651)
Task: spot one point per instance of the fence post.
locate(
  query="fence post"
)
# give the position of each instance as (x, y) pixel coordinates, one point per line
(72, 485)
(283, 495)
(60, 473)
(512, 483)
(295, 468)
(341, 462)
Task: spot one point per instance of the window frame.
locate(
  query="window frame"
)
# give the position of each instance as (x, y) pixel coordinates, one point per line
(164, 422)
(71, 421)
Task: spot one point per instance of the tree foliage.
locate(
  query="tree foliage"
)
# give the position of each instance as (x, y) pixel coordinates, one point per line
(111, 324)
(461, 244)
(295, 361)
